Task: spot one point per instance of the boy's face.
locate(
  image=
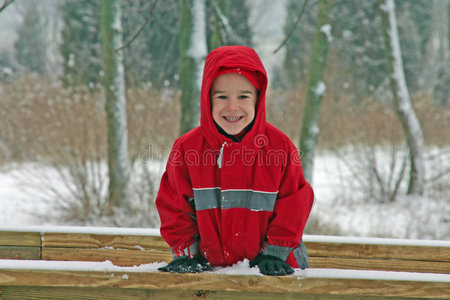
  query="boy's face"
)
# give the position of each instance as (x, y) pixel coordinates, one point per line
(233, 100)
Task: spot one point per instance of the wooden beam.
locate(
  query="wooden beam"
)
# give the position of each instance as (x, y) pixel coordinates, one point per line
(137, 257)
(81, 240)
(12, 238)
(56, 293)
(405, 252)
(380, 264)
(118, 257)
(222, 282)
(20, 252)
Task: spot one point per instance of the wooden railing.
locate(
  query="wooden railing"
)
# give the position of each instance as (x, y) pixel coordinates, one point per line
(39, 263)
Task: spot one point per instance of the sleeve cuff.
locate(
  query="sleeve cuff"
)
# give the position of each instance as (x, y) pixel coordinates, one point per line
(185, 250)
(278, 251)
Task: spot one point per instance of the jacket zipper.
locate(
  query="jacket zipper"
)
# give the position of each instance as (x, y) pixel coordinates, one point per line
(220, 158)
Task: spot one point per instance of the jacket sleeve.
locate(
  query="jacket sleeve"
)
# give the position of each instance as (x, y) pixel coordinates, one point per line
(292, 208)
(174, 203)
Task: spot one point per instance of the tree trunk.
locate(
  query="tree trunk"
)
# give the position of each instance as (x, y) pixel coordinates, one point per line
(193, 51)
(402, 101)
(316, 88)
(114, 84)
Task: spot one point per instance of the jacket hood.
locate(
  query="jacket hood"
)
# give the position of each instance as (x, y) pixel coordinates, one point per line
(230, 57)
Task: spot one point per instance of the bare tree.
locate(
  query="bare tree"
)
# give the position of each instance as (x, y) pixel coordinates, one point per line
(5, 4)
(114, 84)
(402, 101)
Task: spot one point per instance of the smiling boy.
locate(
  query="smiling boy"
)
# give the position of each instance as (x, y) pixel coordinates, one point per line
(233, 99)
(251, 201)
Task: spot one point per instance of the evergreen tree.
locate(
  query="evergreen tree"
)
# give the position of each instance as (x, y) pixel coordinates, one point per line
(80, 47)
(30, 47)
(227, 23)
(358, 45)
(154, 55)
(298, 47)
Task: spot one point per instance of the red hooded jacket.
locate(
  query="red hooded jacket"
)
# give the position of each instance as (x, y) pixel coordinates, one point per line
(233, 200)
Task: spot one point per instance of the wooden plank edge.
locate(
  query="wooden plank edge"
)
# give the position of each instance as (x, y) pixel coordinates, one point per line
(226, 282)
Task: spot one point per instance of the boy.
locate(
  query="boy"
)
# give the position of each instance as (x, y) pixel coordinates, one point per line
(234, 187)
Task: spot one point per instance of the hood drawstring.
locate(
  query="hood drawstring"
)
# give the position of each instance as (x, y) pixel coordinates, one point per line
(219, 160)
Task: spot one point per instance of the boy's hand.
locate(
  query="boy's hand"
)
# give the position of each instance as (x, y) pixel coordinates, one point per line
(271, 265)
(185, 264)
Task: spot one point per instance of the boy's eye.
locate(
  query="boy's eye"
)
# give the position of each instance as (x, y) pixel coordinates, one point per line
(222, 97)
(243, 97)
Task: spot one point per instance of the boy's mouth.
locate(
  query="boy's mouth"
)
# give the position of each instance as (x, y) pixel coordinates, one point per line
(232, 119)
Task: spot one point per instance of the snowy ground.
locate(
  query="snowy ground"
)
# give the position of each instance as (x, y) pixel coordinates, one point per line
(337, 207)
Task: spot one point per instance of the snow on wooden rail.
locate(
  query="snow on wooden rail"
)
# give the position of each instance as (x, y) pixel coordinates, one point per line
(118, 263)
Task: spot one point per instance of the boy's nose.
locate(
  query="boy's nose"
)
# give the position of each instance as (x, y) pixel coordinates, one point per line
(233, 104)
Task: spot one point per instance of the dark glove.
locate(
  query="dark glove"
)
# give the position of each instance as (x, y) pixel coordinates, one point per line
(185, 264)
(271, 265)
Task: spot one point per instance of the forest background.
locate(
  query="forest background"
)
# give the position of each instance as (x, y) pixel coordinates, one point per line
(54, 125)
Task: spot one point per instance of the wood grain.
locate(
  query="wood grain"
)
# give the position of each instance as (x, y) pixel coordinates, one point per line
(12, 238)
(223, 282)
(118, 257)
(77, 240)
(20, 252)
(425, 253)
(380, 264)
(57, 293)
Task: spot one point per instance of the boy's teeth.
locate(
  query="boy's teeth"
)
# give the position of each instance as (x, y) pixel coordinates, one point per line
(232, 119)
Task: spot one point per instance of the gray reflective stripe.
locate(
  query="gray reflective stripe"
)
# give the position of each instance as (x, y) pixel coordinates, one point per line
(301, 256)
(206, 198)
(248, 199)
(214, 197)
(277, 251)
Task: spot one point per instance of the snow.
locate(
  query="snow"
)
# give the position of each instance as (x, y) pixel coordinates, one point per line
(105, 266)
(339, 205)
(342, 206)
(371, 275)
(84, 230)
(326, 29)
(155, 232)
(320, 89)
(241, 268)
(375, 241)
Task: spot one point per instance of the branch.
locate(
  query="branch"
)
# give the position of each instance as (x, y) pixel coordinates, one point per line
(5, 4)
(147, 20)
(293, 27)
